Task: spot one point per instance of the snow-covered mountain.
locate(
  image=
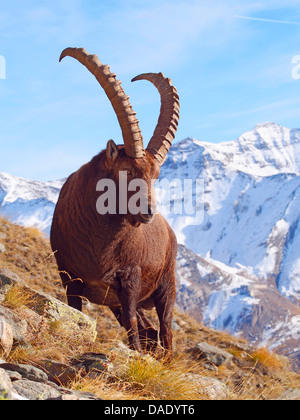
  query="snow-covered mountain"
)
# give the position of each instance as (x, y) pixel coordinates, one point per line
(28, 203)
(239, 269)
(251, 201)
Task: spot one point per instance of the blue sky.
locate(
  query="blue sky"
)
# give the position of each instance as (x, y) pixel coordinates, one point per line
(231, 73)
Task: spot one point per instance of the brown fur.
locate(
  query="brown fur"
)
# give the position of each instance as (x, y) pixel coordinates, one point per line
(121, 261)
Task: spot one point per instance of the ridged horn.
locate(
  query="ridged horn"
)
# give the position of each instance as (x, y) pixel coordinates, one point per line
(166, 128)
(129, 124)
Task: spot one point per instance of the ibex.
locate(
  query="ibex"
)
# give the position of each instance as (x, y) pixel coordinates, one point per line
(123, 261)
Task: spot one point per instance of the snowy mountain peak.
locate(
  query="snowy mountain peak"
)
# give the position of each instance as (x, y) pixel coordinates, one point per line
(270, 149)
(269, 134)
(269, 125)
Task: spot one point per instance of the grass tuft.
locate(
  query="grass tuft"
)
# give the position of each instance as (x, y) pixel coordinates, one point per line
(267, 359)
(17, 297)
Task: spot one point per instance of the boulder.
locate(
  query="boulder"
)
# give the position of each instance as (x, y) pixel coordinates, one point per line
(290, 395)
(55, 310)
(76, 396)
(17, 325)
(209, 388)
(93, 363)
(72, 395)
(26, 371)
(59, 373)
(175, 325)
(5, 386)
(212, 354)
(50, 307)
(24, 382)
(6, 336)
(7, 280)
(32, 390)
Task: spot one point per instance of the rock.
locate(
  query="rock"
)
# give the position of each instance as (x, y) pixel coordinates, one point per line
(3, 235)
(2, 248)
(122, 356)
(13, 376)
(79, 395)
(51, 308)
(71, 395)
(26, 371)
(18, 325)
(120, 349)
(290, 395)
(211, 367)
(68, 397)
(34, 390)
(24, 382)
(7, 280)
(244, 347)
(95, 363)
(25, 389)
(5, 386)
(212, 354)
(175, 325)
(55, 310)
(209, 388)
(9, 277)
(59, 373)
(6, 336)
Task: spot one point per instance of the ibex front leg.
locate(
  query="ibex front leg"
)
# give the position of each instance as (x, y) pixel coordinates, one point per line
(130, 281)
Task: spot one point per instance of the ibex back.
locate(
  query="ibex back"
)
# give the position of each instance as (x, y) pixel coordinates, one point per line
(125, 260)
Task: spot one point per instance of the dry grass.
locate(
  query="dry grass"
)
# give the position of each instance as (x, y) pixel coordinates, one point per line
(160, 379)
(256, 376)
(18, 297)
(46, 341)
(267, 359)
(104, 388)
(29, 255)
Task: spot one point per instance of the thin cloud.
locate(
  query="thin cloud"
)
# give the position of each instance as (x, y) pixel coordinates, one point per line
(285, 22)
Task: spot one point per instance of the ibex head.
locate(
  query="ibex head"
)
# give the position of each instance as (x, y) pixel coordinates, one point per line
(132, 159)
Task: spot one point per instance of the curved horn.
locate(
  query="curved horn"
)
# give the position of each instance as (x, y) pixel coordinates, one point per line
(129, 124)
(165, 130)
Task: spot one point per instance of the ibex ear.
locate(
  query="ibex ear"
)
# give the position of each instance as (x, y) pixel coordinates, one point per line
(112, 152)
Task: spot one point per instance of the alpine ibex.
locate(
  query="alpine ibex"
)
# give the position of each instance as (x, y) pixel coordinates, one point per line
(123, 261)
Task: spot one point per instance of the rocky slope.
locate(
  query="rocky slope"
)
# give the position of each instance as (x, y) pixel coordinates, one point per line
(49, 351)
